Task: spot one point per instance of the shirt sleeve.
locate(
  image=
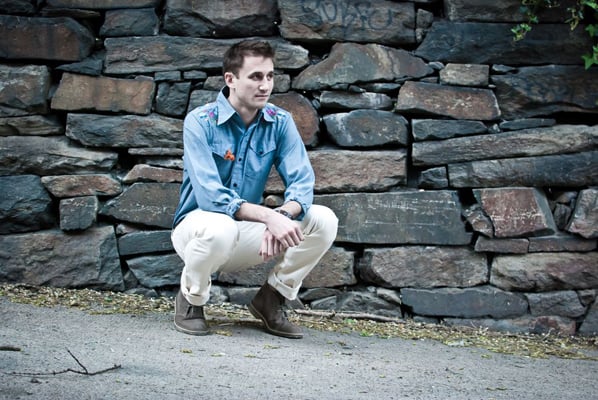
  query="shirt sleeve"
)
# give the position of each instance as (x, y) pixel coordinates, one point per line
(294, 167)
(208, 190)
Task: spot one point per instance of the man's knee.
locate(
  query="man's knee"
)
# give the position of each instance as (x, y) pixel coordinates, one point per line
(325, 221)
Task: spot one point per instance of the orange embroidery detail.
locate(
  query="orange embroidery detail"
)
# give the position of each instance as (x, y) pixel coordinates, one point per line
(229, 156)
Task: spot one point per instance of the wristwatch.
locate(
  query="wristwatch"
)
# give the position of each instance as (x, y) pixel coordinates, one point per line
(283, 212)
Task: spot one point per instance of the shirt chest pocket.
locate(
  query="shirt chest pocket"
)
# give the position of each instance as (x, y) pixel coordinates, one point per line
(224, 158)
(260, 156)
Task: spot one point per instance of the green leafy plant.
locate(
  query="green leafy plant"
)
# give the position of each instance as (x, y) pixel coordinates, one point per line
(582, 10)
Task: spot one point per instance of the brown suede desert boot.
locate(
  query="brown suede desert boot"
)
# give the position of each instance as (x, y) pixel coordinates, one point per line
(188, 318)
(267, 305)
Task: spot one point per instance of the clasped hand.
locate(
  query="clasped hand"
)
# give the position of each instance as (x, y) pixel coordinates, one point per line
(280, 234)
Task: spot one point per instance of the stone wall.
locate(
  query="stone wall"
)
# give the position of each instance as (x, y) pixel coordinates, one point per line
(462, 165)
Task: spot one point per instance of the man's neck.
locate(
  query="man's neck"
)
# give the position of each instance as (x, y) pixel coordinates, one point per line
(246, 114)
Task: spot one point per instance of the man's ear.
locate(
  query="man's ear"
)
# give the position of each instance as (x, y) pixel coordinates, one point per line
(229, 79)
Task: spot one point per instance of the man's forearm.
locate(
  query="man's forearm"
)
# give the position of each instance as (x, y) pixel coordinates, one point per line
(257, 213)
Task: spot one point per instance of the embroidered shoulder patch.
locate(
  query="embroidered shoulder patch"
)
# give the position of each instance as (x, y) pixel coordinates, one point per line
(209, 111)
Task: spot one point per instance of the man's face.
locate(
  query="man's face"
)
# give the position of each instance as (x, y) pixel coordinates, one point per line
(250, 89)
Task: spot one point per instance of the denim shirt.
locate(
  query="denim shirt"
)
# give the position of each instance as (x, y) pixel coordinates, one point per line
(226, 163)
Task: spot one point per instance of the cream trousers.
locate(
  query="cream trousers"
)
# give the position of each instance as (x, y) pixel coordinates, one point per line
(209, 242)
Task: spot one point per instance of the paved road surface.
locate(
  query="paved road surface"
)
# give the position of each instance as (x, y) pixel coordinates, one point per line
(157, 362)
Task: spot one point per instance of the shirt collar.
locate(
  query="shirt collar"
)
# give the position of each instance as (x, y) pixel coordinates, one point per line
(226, 110)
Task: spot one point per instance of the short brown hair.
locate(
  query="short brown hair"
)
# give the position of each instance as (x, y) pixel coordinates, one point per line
(235, 55)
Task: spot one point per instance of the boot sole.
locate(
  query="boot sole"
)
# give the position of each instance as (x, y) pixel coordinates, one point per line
(258, 315)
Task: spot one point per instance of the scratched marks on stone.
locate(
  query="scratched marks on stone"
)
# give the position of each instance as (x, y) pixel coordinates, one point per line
(350, 14)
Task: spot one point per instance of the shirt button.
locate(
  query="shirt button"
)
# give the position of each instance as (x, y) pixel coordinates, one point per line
(234, 184)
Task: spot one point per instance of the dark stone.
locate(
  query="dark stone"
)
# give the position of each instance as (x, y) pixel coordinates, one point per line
(24, 90)
(430, 129)
(370, 171)
(584, 221)
(147, 173)
(31, 125)
(88, 259)
(449, 101)
(567, 170)
(538, 91)
(25, 205)
(561, 242)
(398, 217)
(562, 303)
(90, 93)
(366, 128)
(530, 142)
(210, 19)
(156, 271)
(26, 7)
(589, 325)
(465, 75)
(492, 43)
(503, 11)
(167, 53)
(172, 98)
(504, 246)
(78, 213)
(386, 22)
(82, 185)
(526, 123)
(424, 267)
(355, 301)
(144, 242)
(135, 22)
(350, 63)
(103, 4)
(478, 220)
(51, 156)
(350, 101)
(92, 65)
(304, 115)
(152, 130)
(149, 204)
(53, 39)
(478, 302)
(433, 178)
(333, 270)
(517, 212)
(544, 272)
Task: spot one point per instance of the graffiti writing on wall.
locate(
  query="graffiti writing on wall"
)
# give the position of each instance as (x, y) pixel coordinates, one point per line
(351, 15)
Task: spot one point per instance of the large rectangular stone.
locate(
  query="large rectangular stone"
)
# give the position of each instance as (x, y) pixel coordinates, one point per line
(370, 171)
(566, 170)
(424, 267)
(558, 139)
(517, 211)
(53, 258)
(55, 39)
(142, 54)
(542, 272)
(483, 301)
(82, 93)
(414, 217)
(23, 90)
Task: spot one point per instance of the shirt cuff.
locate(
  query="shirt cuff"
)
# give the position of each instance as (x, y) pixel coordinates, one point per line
(233, 207)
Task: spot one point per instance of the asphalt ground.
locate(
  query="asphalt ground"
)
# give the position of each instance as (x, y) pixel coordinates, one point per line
(64, 353)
